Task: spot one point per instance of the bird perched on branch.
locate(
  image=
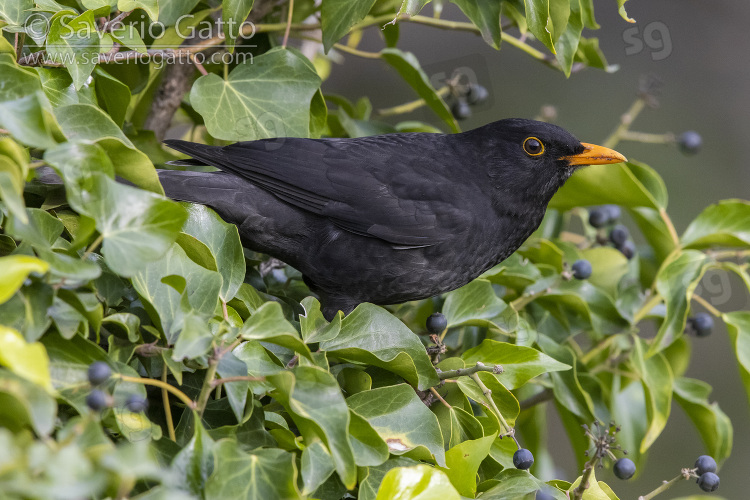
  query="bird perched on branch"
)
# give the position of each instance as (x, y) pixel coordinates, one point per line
(389, 218)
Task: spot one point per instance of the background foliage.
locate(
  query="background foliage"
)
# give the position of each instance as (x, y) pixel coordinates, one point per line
(96, 270)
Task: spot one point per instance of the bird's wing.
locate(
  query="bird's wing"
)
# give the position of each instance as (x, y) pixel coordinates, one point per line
(401, 188)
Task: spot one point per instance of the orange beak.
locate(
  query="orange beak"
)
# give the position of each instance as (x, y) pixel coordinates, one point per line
(595, 155)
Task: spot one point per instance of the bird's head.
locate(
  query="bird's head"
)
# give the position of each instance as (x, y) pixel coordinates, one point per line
(534, 159)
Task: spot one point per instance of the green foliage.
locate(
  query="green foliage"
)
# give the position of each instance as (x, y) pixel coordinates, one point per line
(267, 399)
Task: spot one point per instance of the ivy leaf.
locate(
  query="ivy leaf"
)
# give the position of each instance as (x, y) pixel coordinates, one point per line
(264, 473)
(315, 403)
(566, 45)
(402, 420)
(520, 364)
(15, 12)
(269, 325)
(338, 16)
(25, 404)
(463, 463)
(502, 397)
(738, 326)
(16, 268)
(316, 466)
(407, 65)
(234, 13)
(373, 336)
(713, 424)
(725, 224)
(150, 6)
(28, 360)
(657, 379)
(412, 7)
(223, 241)
(621, 5)
(486, 17)
(75, 42)
(195, 462)
(539, 21)
(676, 282)
(29, 120)
(474, 304)
(269, 98)
(420, 482)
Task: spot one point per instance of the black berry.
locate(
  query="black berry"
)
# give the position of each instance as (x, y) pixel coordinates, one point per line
(690, 142)
(702, 324)
(627, 249)
(523, 459)
(136, 403)
(598, 218)
(624, 468)
(582, 269)
(437, 323)
(461, 109)
(613, 211)
(97, 400)
(99, 372)
(708, 482)
(619, 235)
(705, 464)
(477, 94)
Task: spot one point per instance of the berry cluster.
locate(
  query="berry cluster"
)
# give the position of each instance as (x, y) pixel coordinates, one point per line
(98, 374)
(465, 97)
(705, 470)
(602, 218)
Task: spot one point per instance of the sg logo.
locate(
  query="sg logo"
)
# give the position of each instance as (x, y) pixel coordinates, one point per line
(655, 36)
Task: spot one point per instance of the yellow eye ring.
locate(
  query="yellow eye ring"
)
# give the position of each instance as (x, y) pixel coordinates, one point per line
(533, 146)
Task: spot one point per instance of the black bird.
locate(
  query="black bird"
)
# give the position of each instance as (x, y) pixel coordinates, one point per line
(388, 218)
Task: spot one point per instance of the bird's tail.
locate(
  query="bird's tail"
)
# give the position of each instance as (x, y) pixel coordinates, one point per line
(201, 154)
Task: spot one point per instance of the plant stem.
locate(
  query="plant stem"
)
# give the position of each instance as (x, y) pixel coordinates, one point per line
(288, 24)
(479, 367)
(583, 486)
(437, 395)
(645, 137)
(670, 226)
(167, 408)
(92, 247)
(507, 429)
(646, 308)
(597, 349)
(539, 397)
(625, 121)
(526, 299)
(356, 52)
(207, 385)
(707, 306)
(661, 489)
(410, 106)
(158, 383)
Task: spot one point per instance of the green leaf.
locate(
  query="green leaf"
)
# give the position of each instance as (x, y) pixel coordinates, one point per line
(676, 282)
(315, 403)
(473, 304)
(316, 466)
(566, 45)
(368, 447)
(725, 224)
(112, 94)
(75, 42)
(269, 98)
(85, 122)
(150, 6)
(463, 463)
(486, 17)
(234, 13)
(713, 424)
(637, 186)
(15, 12)
(264, 473)
(232, 366)
(520, 364)
(502, 397)
(16, 268)
(269, 325)
(657, 379)
(402, 420)
(338, 16)
(407, 65)
(59, 89)
(609, 265)
(373, 336)
(412, 7)
(195, 462)
(420, 482)
(15, 81)
(314, 326)
(29, 120)
(738, 326)
(23, 403)
(597, 490)
(539, 21)
(223, 240)
(621, 5)
(28, 360)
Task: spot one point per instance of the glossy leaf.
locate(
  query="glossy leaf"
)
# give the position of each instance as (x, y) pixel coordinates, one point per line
(269, 325)
(420, 482)
(28, 360)
(486, 16)
(657, 379)
(16, 269)
(725, 224)
(713, 424)
(738, 326)
(463, 463)
(338, 16)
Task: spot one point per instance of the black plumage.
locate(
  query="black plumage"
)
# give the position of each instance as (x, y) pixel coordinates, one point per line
(389, 218)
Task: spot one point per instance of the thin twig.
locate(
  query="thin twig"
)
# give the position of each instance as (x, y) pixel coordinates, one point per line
(167, 407)
(588, 469)
(685, 474)
(437, 395)
(119, 17)
(288, 24)
(539, 397)
(207, 387)
(707, 305)
(479, 367)
(158, 383)
(507, 429)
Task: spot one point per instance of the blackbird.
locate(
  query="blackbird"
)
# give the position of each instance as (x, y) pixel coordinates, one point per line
(389, 218)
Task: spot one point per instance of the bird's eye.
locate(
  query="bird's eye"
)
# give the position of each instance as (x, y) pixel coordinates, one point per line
(533, 146)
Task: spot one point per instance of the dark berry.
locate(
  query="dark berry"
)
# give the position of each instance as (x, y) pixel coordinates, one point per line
(624, 468)
(477, 94)
(97, 400)
(702, 324)
(461, 109)
(598, 217)
(544, 495)
(582, 269)
(523, 459)
(705, 464)
(708, 482)
(437, 323)
(627, 249)
(99, 372)
(690, 142)
(619, 235)
(613, 211)
(136, 403)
